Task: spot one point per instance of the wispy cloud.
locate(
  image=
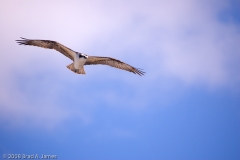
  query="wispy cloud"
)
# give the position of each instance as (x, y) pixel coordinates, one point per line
(181, 41)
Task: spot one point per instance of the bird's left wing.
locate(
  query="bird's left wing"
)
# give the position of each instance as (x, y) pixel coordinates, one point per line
(113, 63)
(48, 44)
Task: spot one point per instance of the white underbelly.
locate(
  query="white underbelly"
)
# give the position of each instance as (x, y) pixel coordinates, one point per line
(79, 63)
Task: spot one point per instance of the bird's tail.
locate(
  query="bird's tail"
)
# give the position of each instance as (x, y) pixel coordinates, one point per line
(78, 71)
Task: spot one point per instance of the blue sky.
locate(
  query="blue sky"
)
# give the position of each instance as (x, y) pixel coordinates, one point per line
(186, 107)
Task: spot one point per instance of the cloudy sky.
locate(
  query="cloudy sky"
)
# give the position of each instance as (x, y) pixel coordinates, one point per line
(186, 107)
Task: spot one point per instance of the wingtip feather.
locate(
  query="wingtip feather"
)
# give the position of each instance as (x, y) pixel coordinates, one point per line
(139, 72)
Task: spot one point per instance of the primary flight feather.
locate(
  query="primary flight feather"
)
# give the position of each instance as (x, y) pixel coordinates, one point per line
(80, 59)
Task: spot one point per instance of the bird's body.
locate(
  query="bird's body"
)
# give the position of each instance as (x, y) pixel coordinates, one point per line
(79, 62)
(80, 59)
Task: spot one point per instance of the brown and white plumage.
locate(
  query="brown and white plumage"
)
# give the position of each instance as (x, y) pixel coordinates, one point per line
(79, 59)
(48, 44)
(113, 63)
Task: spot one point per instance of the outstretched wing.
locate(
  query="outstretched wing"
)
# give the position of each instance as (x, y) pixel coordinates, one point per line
(48, 44)
(113, 63)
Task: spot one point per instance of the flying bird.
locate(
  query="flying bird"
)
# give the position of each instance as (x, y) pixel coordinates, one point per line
(80, 59)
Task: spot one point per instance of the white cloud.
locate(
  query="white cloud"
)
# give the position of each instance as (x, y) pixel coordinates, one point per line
(35, 104)
(180, 40)
(184, 40)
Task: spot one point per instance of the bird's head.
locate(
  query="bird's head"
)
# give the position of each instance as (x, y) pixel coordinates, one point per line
(80, 55)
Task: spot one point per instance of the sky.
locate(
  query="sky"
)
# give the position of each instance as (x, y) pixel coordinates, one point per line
(186, 106)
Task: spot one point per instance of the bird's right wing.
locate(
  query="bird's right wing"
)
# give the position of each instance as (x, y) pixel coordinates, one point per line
(113, 63)
(48, 44)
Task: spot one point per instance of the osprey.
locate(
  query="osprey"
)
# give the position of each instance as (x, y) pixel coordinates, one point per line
(79, 59)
